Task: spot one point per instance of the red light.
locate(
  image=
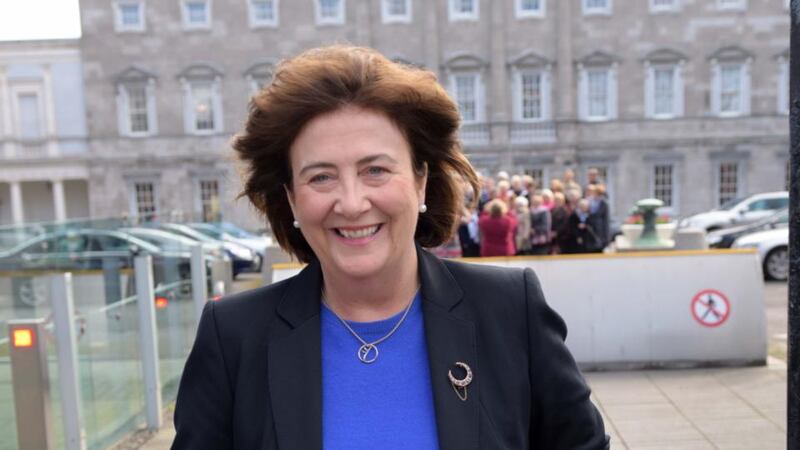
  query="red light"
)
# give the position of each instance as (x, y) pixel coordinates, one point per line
(23, 338)
(161, 302)
(215, 298)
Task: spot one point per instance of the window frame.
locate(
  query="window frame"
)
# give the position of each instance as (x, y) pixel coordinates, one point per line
(660, 9)
(457, 16)
(124, 123)
(189, 26)
(190, 119)
(133, 199)
(255, 22)
(323, 21)
(545, 94)
(677, 90)
(674, 207)
(607, 10)
(526, 14)
(740, 173)
(479, 92)
(783, 105)
(119, 26)
(726, 5)
(395, 18)
(36, 88)
(198, 197)
(744, 88)
(584, 105)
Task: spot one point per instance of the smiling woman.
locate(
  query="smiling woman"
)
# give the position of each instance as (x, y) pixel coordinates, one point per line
(355, 162)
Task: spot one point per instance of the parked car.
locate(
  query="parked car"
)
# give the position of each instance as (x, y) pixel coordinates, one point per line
(90, 249)
(228, 232)
(739, 211)
(773, 249)
(243, 258)
(725, 237)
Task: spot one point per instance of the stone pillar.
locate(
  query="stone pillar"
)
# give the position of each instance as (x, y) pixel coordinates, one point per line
(5, 115)
(432, 58)
(49, 111)
(565, 86)
(17, 211)
(58, 200)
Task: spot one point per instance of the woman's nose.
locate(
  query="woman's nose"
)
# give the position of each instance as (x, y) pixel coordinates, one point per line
(352, 201)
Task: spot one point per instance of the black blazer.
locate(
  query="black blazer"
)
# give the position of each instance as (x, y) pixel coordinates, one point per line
(253, 378)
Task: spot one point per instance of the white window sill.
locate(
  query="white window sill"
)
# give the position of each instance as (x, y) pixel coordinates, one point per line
(396, 19)
(530, 15)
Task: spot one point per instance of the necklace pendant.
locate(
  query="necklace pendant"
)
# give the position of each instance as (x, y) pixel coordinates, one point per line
(368, 353)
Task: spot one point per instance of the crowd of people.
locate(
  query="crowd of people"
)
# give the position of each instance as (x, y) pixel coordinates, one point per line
(517, 216)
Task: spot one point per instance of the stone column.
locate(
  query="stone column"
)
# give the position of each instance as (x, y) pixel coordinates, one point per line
(49, 111)
(5, 114)
(17, 211)
(565, 64)
(58, 200)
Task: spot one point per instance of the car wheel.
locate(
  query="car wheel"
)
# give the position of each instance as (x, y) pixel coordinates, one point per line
(776, 264)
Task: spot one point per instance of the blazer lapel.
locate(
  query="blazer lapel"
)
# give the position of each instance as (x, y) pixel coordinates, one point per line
(295, 366)
(450, 338)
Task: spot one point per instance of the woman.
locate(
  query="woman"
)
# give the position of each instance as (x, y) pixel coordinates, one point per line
(540, 227)
(497, 226)
(522, 234)
(582, 235)
(377, 343)
(559, 218)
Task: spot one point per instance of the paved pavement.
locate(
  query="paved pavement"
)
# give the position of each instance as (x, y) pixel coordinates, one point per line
(731, 408)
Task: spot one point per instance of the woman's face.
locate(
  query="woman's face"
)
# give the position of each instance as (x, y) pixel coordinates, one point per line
(355, 193)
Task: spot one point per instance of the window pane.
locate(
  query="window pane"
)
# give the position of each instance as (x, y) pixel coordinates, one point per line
(596, 4)
(29, 117)
(598, 93)
(730, 88)
(663, 91)
(197, 12)
(728, 181)
(531, 5)
(662, 183)
(137, 107)
(209, 199)
(531, 91)
(129, 13)
(465, 6)
(202, 96)
(396, 7)
(145, 200)
(329, 8)
(263, 10)
(663, 3)
(465, 96)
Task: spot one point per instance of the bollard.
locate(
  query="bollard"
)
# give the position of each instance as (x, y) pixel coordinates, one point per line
(145, 293)
(31, 384)
(67, 349)
(199, 280)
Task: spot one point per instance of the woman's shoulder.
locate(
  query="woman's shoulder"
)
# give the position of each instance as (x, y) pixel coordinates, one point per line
(242, 307)
(482, 278)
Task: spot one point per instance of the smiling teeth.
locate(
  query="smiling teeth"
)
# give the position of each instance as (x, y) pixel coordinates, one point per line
(355, 234)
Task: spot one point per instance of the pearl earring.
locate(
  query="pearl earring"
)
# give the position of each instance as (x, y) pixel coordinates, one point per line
(296, 224)
(423, 207)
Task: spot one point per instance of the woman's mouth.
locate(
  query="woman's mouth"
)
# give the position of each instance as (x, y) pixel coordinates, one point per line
(358, 233)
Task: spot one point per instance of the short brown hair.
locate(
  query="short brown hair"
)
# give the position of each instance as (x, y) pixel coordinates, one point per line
(325, 79)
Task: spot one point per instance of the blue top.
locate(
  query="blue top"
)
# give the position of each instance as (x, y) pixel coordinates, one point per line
(384, 405)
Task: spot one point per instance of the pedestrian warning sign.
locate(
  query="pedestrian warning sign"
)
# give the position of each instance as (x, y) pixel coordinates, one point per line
(710, 308)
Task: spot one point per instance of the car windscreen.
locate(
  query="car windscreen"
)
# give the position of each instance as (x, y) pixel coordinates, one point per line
(727, 206)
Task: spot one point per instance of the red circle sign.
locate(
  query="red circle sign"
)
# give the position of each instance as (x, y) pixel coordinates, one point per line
(710, 308)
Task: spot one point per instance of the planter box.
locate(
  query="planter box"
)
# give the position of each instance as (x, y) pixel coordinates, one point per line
(665, 231)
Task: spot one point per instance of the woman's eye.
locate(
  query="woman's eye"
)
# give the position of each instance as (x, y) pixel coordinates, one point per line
(376, 170)
(321, 178)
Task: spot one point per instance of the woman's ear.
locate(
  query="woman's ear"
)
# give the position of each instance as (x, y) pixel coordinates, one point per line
(290, 198)
(422, 183)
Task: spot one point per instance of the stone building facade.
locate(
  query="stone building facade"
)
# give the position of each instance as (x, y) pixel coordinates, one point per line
(686, 100)
(44, 158)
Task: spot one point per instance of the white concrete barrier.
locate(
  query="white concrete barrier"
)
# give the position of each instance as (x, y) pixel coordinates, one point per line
(652, 309)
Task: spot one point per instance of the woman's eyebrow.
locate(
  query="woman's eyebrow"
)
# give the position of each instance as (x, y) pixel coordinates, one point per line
(365, 160)
(373, 158)
(317, 165)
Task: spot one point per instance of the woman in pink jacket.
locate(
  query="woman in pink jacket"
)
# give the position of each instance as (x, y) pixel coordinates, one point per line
(497, 226)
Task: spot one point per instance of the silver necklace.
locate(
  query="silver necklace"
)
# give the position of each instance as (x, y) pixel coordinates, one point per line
(368, 351)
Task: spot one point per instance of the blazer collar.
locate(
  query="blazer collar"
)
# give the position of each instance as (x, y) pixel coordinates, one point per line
(295, 367)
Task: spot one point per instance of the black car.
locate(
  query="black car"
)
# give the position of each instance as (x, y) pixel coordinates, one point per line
(724, 238)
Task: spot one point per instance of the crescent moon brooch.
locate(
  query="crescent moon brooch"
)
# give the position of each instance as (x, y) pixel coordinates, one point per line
(460, 386)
